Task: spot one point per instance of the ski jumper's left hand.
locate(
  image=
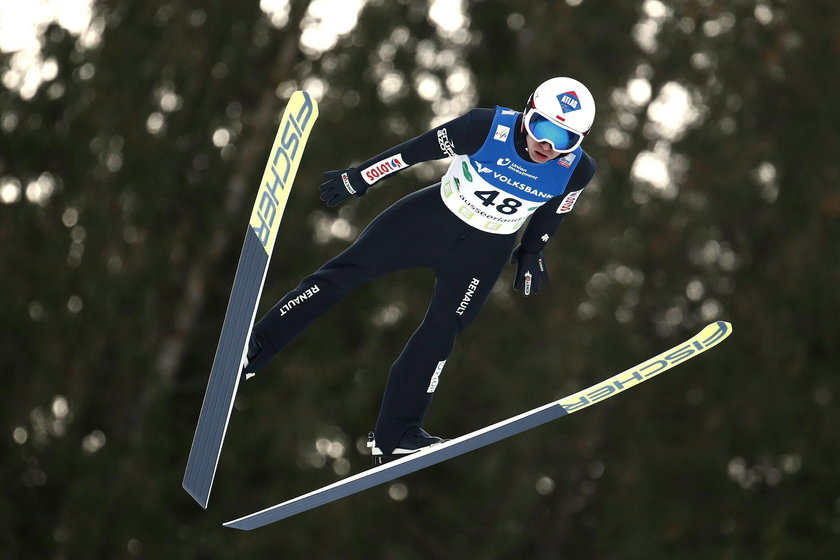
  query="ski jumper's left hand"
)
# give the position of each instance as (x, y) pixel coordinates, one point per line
(340, 184)
(530, 269)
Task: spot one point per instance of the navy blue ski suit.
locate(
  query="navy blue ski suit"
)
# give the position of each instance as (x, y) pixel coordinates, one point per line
(463, 229)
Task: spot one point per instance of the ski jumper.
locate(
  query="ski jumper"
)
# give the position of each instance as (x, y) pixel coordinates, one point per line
(463, 228)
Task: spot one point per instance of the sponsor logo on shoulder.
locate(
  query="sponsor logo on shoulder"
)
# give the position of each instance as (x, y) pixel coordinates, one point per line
(508, 112)
(567, 160)
(568, 202)
(501, 133)
(383, 168)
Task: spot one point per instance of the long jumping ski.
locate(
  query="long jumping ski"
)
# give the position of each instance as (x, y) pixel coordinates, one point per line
(710, 336)
(278, 176)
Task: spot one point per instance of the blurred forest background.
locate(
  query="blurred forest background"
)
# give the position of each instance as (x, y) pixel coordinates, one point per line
(133, 138)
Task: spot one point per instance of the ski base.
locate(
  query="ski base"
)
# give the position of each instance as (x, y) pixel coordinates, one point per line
(710, 336)
(278, 176)
(224, 375)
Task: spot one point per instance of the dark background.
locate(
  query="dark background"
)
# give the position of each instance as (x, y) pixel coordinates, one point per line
(128, 181)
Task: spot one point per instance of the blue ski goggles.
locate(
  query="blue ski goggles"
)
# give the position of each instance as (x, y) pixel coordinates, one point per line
(541, 129)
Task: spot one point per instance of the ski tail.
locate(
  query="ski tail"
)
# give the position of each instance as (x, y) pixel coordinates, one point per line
(278, 176)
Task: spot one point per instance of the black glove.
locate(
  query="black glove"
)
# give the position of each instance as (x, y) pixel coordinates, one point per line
(529, 270)
(340, 184)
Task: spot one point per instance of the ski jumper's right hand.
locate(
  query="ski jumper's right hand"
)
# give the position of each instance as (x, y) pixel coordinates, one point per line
(340, 184)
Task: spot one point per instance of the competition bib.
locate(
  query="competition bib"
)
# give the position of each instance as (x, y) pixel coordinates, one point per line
(496, 190)
(470, 197)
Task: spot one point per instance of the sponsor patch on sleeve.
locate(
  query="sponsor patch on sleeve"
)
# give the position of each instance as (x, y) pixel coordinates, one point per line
(446, 145)
(568, 202)
(383, 168)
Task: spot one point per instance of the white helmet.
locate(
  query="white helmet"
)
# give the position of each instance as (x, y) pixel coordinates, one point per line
(561, 112)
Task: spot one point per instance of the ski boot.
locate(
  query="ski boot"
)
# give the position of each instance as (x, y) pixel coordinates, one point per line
(414, 439)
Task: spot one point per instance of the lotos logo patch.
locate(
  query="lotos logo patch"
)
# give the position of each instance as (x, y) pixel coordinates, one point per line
(569, 101)
(383, 168)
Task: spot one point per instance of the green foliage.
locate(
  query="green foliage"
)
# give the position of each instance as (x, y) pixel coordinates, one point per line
(125, 183)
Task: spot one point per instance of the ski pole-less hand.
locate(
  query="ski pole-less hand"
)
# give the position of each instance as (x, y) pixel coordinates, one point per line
(530, 269)
(340, 184)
